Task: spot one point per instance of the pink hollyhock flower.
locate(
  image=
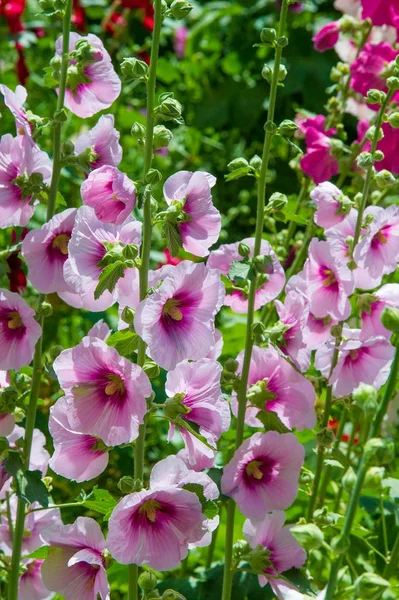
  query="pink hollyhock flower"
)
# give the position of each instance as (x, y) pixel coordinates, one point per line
(223, 259)
(381, 12)
(326, 37)
(263, 473)
(155, 527)
(348, 7)
(373, 307)
(15, 102)
(31, 586)
(75, 567)
(216, 350)
(100, 330)
(39, 456)
(191, 193)
(318, 122)
(111, 193)
(194, 388)
(129, 288)
(46, 250)
(7, 421)
(283, 390)
(103, 140)
(179, 43)
(378, 250)
(319, 163)
(106, 393)
(19, 158)
(87, 248)
(177, 320)
(293, 314)
(77, 456)
(389, 145)
(101, 84)
(285, 552)
(330, 282)
(331, 206)
(367, 71)
(19, 331)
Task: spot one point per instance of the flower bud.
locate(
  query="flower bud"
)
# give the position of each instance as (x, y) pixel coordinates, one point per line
(365, 160)
(375, 97)
(379, 451)
(287, 128)
(243, 249)
(308, 535)
(263, 264)
(237, 163)
(277, 201)
(174, 407)
(127, 315)
(385, 179)
(67, 148)
(267, 73)
(180, 9)
(379, 155)
(172, 595)
(162, 136)
(151, 369)
(138, 131)
(147, 581)
(390, 318)
(349, 479)
(153, 176)
(393, 120)
(256, 162)
(282, 41)
(325, 437)
(268, 36)
(231, 365)
(366, 397)
(45, 310)
(340, 544)
(374, 477)
(133, 68)
(282, 73)
(126, 484)
(170, 109)
(393, 83)
(370, 586)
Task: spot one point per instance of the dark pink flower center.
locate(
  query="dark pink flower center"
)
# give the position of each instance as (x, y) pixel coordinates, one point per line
(57, 250)
(177, 311)
(380, 238)
(260, 470)
(12, 324)
(152, 513)
(328, 278)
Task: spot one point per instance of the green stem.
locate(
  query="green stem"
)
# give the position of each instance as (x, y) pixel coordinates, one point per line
(328, 471)
(292, 226)
(139, 446)
(9, 515)
(384, 525)
(348, 453)
(212, 545)
(393, 559)
(37, 359)
(249, 342)
(355, 495)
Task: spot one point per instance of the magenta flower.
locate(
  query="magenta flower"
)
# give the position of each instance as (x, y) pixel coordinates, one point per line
(319, 162)
(263, 473)
(111, 193)
(372, 309)
(318, 122)
(19, 331)
(389, 145)
(87, 248)
(196, 387)
(31, 586)
(367, 71)
(177, 320)
(328, 199)
(326, 37)
(285, 552)
(283, 390)
(381, 12)
(330, 282)
(103, 140)
(46, 250)
(106, 393)
(129, 287)
(293, 313)
(15, 102)
(77, 456)
(19, 158)
(378, 250)
(223, 258)
(101, 84)
(179, 42)
(191, 193)
(75, 567)
(7, 421)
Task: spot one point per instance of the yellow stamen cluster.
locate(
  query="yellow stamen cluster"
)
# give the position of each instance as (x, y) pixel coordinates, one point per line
(61, 242)
(149, 509)
(115, 385)
(14, 320)
(171, 309)
(253, 469)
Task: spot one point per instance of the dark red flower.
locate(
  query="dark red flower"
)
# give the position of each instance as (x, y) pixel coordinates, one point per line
(21, 68)
(78, 16)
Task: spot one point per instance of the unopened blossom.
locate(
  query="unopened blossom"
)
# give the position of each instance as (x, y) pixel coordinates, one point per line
(155, 527)
(326, 37)
(31, 586)
(45, 251)
(330, 282)
(318, 162)
(273, 384)
(15, 102)
(106, 393)
(95, 86)
(378, 250)
(177, 320)
(77, 456)
(103, 141)
(263, 473)
(283, 551)
(19, 331)
(293, 314)
(372, 307)
(75, 567)
(195, 395)
(111, 193)
(87, 247)
(267, 289)
(367, 71)
(19, 159)
(7, 420)
(331, 204)
(200, 224)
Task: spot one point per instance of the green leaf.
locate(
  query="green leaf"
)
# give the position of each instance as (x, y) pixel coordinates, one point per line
(39, 553)
(241, 172)
(209, 508)
(101, 501)
(291, 216)
(271, 421)
(333, 463)
(49, 80)
(240, 270)
(13, 463)
(173, 237)
(60, 201)
(31, 488)
(109, 277)
(124, 341)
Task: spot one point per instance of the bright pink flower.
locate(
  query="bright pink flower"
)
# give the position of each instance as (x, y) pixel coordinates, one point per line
(75, 567)
(319, 163)
(46, 250)
(317, 122)
(378, 250)
(223, 258)
(111, 193)
(19, 331)
(19, 158)
(177, 320)
(285, 552)
(287, 392)
(263, 473)
(196, 388)
(77, 456)
(87, 247)
(326, 37)
(191, 193)
(102, 84)
(381, 12)
(368, 69)
(293, 313)
(106, 393)
(100, 330)
(372, 309)
(129, 288)
(179, 43)
(155, 527)
(389, 145)
(39, 456)
(103, 139)
(31, 586)
(328, 199)
(330, 282)
(15, 102)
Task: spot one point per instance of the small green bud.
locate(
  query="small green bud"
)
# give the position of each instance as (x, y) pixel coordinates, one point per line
(153, 176)
(393, 83)
(174, 407)
(390, 318)
(133, 68)
(270, 127)
(126, 484)
(256, 162)
(147, 581)
(68, 148)
(267, 73)
(374, 477)
(287, 128)
(378, 155)
(375, 97)
(393, 120)
(162, 136)
(151, 369)
(282, 41)
(243, 249)
(325, 437)
(172, 595)
(340, 544)
(277, 201)
(349, 479)
(385, 179)
(282, 73)
(8, 399)
(237, 163)
(180, 9)
(308, 535)
(268, 36)
(379, 451)
(231, 365)
(127, 315)
(366, 397)
(138, 131)
(170, 109)
(60, 116)
(365, 160)
(370, 586)
(263, 264)
(130, 252)
(45, 310)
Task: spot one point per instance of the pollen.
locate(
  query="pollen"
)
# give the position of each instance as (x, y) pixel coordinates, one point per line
(171, 309)
(14, 320)
(60, 242)
(115, 385)
(253, 469)
(329, 278)
(149, 509)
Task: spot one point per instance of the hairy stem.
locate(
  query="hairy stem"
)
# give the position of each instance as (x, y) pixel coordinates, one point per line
(393, 559)
(328, 470)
